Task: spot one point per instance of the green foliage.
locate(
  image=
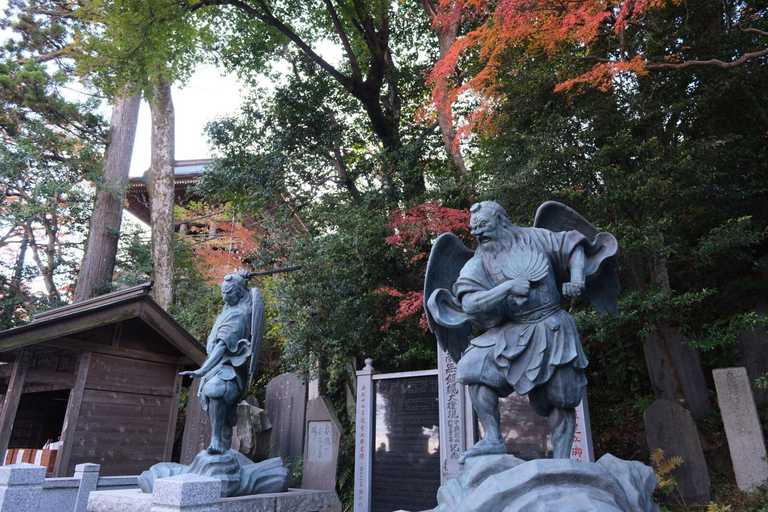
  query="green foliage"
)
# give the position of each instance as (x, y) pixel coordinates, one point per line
(136, 43)
(50, 148)
(674, 164)
(330, 308)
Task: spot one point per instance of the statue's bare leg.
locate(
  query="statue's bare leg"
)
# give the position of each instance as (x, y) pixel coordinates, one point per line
(562, 424)
(217, 410)
(485, 400)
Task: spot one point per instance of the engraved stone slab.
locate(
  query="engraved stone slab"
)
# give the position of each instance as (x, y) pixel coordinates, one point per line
(742, 427)
(284, 403)
(754, 357)
(670, 426)
(321, 450)
(406, 458)
(452, 417)
(688, 364)
(197, 427)
(526, 434)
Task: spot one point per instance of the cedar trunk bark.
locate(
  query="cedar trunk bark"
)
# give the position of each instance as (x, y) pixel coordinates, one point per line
(160, 185)
(95, 275)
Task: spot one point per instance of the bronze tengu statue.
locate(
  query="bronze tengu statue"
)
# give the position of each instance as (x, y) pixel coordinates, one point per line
(512, 287)
(233, 350)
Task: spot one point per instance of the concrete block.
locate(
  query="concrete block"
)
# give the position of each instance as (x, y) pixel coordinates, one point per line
(21, 486)
(186, 493)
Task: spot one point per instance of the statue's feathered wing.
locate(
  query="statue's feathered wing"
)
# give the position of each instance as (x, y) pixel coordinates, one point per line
(448, 257)
(257, 332)
(602, 283)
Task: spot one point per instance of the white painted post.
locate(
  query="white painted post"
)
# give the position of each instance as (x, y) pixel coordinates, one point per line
(582, 448)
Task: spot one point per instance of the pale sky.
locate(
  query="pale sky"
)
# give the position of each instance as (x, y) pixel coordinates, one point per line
(209, 94)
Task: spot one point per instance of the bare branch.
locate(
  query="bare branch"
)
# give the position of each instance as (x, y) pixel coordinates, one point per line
(712, 62)
(356, 73)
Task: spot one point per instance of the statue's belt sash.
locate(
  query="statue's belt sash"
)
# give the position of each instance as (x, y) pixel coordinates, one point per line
(536, 315)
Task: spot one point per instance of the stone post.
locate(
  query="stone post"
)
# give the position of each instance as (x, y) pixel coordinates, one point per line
(89, 479)
(363, 441)
(21, 486)
(742, 427)
(186, 493)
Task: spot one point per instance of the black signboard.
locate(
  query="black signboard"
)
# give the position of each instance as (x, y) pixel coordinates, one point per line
(406, 459)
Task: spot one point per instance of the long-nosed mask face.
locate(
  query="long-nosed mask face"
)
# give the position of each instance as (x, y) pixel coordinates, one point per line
(484, 227)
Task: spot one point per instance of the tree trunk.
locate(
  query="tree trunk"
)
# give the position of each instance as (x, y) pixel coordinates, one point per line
(160, 185)
(98, 265)
(446, 36)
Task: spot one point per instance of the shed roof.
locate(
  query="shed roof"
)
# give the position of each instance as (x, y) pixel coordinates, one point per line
(134, 302)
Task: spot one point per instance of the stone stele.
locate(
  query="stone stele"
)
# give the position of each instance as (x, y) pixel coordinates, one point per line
(670, 426)
(742, 427)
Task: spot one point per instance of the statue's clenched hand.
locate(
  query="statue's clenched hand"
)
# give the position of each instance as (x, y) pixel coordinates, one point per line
(519, 287)
(573, 289)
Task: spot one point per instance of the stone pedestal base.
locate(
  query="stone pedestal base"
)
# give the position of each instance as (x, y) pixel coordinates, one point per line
(294, 500)
(504, 483)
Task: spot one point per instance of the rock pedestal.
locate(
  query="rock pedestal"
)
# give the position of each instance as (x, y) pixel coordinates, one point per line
(504, 483)
(239, 476)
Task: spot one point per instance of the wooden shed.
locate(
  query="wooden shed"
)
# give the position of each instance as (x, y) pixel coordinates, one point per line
(103, 376)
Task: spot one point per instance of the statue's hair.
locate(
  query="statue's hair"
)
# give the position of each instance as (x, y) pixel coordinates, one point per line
(236, 280)
(493, 208)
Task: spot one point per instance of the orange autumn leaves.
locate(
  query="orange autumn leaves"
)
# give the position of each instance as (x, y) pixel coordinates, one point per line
(533, 28)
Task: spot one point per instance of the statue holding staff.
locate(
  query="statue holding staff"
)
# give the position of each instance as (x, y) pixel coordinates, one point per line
(235, 339)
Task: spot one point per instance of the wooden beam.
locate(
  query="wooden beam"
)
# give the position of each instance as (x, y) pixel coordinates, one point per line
(12, 397)
(49, 329)
(76, 344)
(174, 416)
(159, 319)
(50, 377)
(72, 414)
(44, 388)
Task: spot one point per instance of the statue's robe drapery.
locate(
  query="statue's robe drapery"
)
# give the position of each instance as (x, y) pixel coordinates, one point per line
(232, 327)
(524, 343)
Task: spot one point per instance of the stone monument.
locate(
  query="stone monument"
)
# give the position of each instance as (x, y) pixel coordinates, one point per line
(512, 288)
(225, 376)
(742, 427)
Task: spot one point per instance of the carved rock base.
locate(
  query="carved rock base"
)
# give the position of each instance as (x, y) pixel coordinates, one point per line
(504, 483)
(238, 474)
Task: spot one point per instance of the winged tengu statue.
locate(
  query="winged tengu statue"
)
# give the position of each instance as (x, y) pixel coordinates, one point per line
(512, 287)
(233, 351)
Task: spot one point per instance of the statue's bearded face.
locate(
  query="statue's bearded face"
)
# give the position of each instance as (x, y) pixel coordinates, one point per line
(485, 227)
(230, 293)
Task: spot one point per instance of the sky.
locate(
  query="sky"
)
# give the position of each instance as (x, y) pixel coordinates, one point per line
(209, 94)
